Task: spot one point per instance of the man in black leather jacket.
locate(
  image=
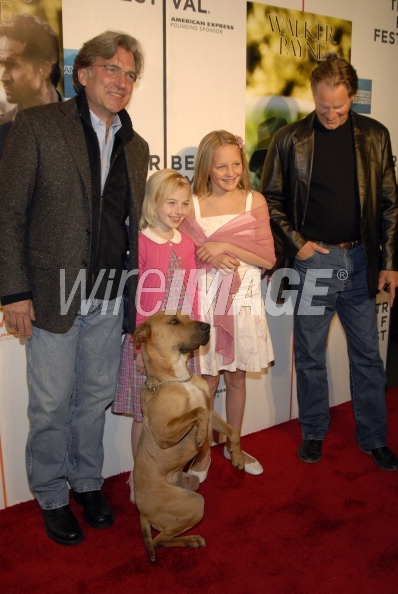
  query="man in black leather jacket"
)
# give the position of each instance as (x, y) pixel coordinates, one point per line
(330, 184)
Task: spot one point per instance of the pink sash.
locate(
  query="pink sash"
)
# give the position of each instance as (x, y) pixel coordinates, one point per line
(249, 231)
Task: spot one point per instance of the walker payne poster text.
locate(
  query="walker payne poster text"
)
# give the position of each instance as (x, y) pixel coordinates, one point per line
(283, 47)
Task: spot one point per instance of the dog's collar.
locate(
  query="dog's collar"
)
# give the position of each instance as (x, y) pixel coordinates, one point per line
(153, 387)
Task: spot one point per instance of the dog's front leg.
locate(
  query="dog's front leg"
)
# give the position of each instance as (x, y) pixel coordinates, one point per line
(237, 456)
(167, 435)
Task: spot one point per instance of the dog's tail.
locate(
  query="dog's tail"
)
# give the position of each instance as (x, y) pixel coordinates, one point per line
(147, 534)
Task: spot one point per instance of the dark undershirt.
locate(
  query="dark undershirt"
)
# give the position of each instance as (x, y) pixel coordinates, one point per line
(333, 212)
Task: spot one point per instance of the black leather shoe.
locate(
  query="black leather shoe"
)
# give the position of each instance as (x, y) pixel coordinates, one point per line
(384, 458)
(62, 526)
(96, 510)
(310, 450)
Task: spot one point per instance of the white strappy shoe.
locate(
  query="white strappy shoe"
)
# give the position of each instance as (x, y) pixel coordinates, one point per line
(253, 467)
(201, 474)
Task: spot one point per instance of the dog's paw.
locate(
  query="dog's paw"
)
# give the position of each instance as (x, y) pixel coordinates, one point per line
(237, 459)
(187, 481)
(192, 482)
(195, 541)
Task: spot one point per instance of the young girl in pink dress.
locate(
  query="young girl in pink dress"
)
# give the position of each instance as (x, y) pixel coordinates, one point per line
(230, 226)
(166, 258)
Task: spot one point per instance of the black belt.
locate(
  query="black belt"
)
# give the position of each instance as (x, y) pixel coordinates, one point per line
(346, 245)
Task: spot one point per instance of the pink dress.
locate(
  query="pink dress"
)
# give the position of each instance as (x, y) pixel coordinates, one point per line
(159, 260)
(252, 342)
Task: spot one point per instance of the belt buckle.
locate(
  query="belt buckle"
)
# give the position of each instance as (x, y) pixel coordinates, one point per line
(348, 244)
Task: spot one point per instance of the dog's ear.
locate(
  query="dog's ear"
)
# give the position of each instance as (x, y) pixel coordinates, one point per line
(142, 333)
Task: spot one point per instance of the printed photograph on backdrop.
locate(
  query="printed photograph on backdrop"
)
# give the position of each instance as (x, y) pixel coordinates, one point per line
(83, 20)
(30, 58)
(283, 46)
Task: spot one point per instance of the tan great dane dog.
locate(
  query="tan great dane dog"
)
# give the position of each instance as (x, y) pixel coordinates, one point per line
(177, 423)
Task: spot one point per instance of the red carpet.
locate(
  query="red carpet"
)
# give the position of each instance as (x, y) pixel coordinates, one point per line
(327, 528)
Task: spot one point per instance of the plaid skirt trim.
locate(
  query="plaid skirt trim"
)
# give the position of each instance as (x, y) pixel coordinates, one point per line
(130, 381)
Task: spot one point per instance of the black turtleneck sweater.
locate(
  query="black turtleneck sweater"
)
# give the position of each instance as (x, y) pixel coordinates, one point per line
(333, 212)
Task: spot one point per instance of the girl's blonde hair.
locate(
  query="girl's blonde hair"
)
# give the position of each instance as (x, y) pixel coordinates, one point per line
(204, 157)
(158, 189)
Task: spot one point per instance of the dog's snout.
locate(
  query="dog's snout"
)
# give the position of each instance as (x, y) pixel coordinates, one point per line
(205, 331)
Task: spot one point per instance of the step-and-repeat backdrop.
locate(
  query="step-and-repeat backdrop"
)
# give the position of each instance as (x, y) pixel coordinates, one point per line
(212, 64)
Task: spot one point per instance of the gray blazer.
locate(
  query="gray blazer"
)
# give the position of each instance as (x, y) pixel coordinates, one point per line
(45, 209)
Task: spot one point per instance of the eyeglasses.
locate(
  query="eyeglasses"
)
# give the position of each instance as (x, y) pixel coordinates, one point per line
(114, 71)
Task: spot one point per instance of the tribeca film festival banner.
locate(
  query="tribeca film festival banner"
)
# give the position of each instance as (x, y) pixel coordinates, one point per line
(212, 64)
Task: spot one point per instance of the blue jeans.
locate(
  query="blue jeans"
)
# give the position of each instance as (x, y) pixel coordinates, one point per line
(347, 294)
(71, 380)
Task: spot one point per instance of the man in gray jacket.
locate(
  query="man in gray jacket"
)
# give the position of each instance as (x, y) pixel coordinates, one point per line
(71, 174)
(330, 185)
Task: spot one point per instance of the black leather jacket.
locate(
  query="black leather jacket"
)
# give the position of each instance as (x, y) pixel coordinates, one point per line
(286, 180)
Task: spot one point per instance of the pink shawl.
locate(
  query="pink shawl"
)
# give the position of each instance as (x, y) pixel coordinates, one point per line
(249, 231)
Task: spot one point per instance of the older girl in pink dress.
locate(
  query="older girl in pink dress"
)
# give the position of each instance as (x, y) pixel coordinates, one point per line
(230, 227)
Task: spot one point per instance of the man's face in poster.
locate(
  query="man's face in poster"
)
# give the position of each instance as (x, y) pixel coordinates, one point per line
(21, 78)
